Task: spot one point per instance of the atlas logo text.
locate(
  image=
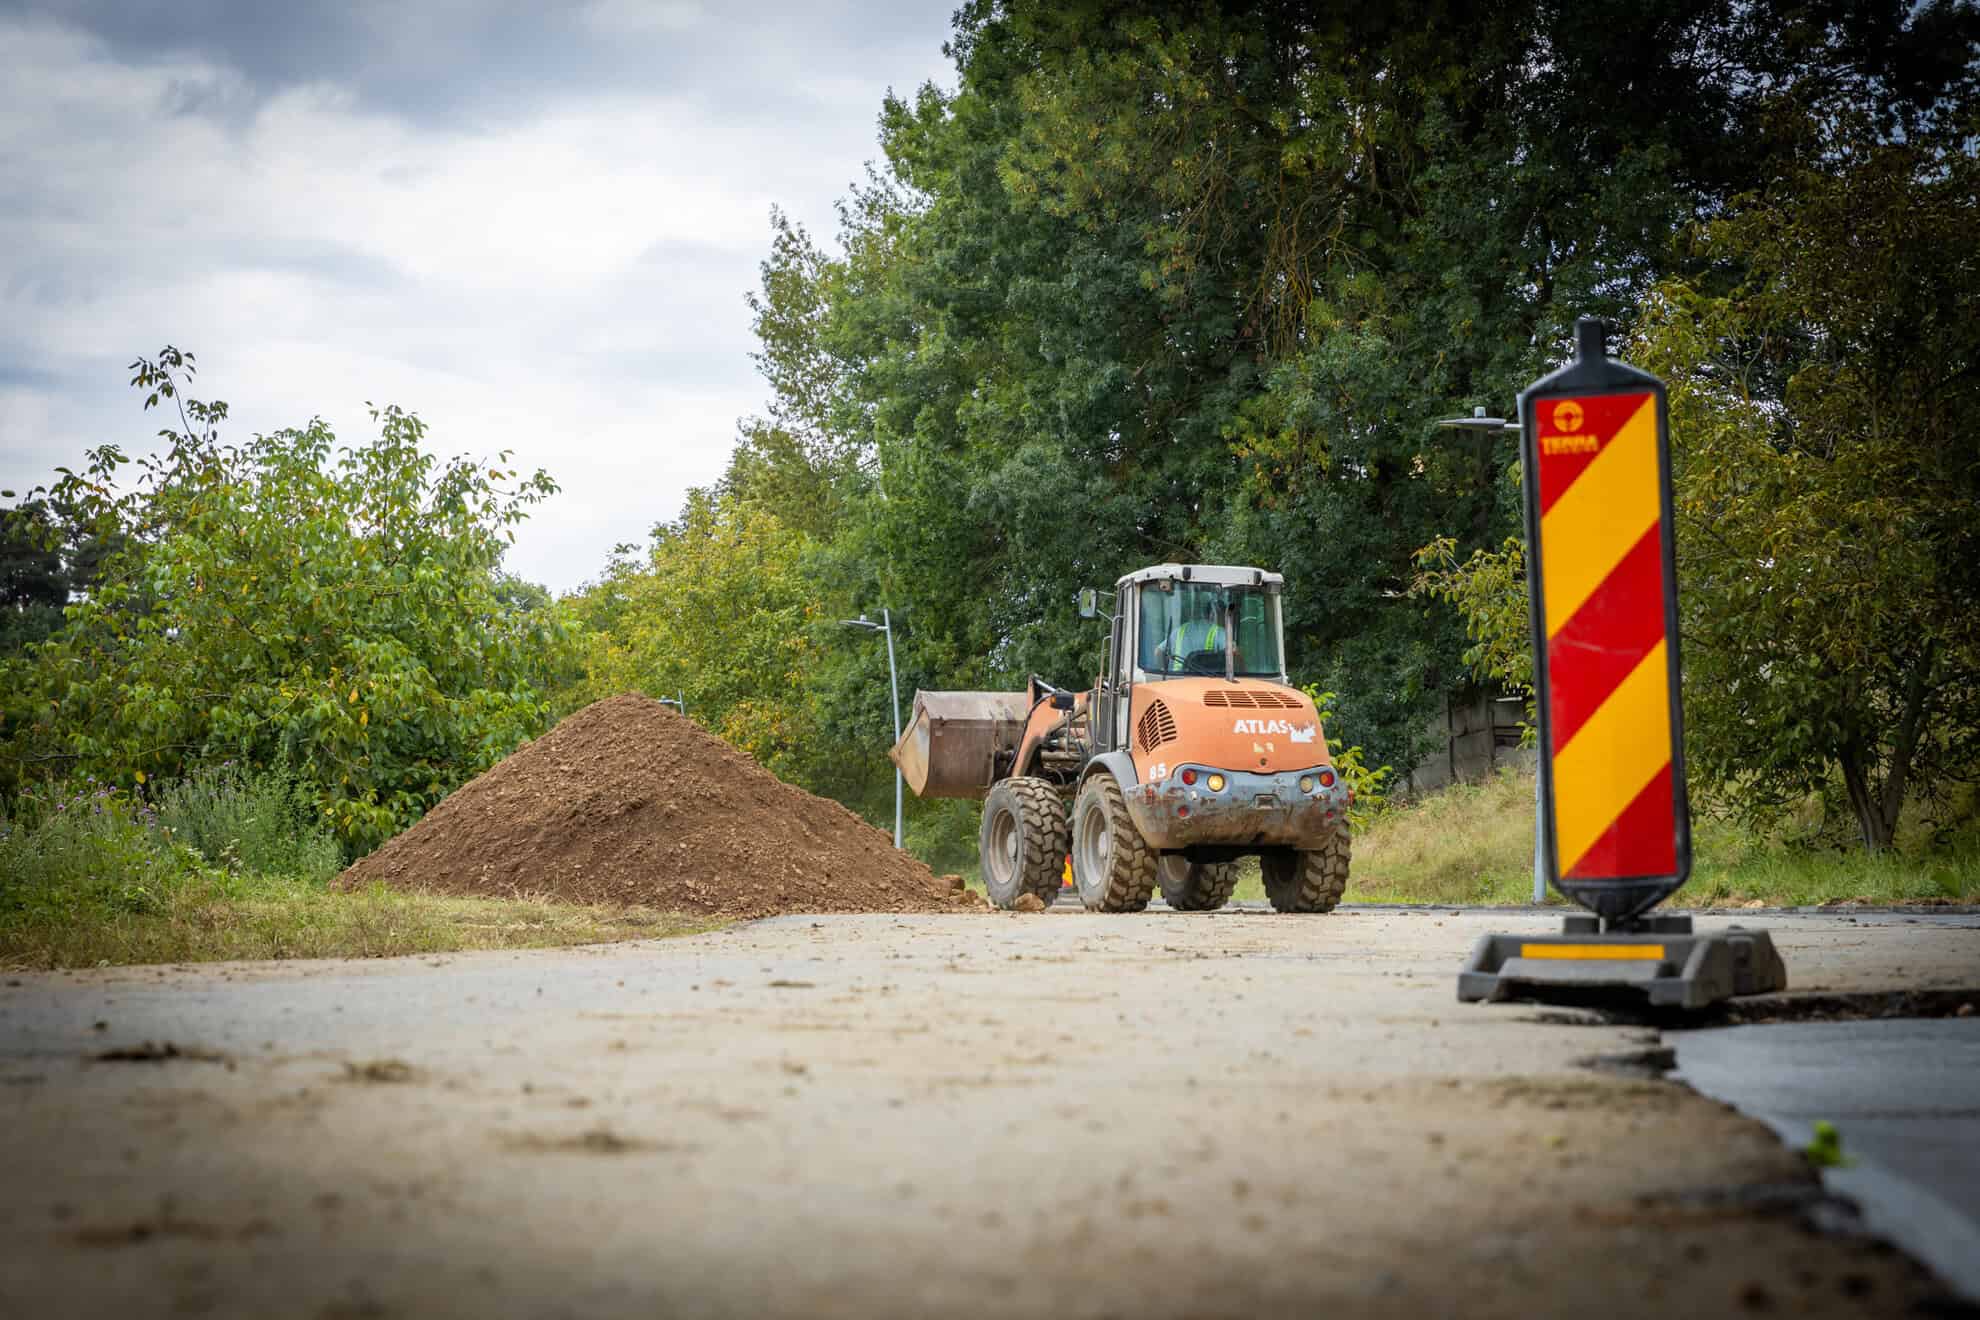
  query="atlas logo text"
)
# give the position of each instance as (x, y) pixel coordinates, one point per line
(1274, 726)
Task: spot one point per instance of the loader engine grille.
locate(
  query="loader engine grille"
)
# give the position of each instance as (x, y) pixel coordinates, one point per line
(1250, 698)
(1157, 726)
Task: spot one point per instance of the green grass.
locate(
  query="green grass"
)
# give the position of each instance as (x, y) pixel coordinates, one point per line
(1473, 843)
(90, 878)
(206, 917)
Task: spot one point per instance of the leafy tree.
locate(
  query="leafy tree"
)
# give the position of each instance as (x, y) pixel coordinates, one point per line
(34, 585)
(1829, 472)
(1191, 282)
(1489, 590)
(1823, 413)
(717, 609)
(287, 602)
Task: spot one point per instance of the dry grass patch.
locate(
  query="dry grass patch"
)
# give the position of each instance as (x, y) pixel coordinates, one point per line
(272, 917)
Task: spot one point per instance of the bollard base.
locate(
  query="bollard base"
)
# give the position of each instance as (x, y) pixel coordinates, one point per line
(1654, 960)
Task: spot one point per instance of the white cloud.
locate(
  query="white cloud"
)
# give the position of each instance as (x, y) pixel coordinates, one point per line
(620, 18)
(566, 283)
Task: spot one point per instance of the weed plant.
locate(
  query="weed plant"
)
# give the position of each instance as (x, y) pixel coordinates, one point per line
(251, 821)
(66, 852)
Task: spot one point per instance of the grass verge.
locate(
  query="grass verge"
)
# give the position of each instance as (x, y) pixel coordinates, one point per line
(232, 865)
(1473, 843)
(209, 918)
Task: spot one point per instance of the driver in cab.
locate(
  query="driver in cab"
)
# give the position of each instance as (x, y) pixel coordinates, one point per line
(1202, 632)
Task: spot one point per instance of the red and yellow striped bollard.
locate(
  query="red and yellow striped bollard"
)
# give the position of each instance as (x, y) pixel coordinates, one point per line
(1615, 823)
(1615, 830)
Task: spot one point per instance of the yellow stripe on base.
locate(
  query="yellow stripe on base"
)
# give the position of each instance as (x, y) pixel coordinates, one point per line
(1612, 757)
(1596, 521)
(1595, 952)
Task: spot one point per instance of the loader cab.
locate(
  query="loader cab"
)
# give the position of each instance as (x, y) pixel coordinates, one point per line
(1187, 621)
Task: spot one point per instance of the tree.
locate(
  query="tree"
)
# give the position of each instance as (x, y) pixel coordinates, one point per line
(1828, 473)
(286, 601)
(1191, 282)
(34, 585)
(717, 609)
(1824, 409)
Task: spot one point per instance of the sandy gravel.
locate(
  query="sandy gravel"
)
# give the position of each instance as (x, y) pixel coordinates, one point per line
(1063, 1115)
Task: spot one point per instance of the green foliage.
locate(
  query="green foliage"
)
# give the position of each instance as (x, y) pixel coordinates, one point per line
(1489, 591)
(1825, 410)
(1823, 413)
(238, 819)
(1466, 843)
(1824, 1149)
(1473, 843)
(90, 875)
(1183, 283)
(30, 563)
(1192, 284)
(1368, 788)
(284, 601)
(719, 609)
(66, 851)
(44, 557)
(942, 832)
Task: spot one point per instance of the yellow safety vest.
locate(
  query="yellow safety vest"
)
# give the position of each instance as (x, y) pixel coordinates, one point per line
(1176, 651)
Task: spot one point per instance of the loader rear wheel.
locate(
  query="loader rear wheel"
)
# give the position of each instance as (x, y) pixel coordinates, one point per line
(1113, 866)
(1308, 881)
(1196, 886)
(1023, 841)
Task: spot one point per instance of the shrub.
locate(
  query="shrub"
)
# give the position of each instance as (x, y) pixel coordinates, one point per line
(286, 600)
(65, 849)
(255, 821)
(1369, 787)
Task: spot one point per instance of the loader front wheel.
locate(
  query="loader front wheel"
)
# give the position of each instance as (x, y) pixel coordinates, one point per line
(1113, 866)
(1023, 841)
(1196, 886)
(1309, 880)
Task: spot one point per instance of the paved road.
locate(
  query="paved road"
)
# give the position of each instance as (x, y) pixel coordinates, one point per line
(1905, 1098)
(1064, 1115)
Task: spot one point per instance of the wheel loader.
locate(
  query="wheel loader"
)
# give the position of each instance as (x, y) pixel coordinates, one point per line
(1190, 751)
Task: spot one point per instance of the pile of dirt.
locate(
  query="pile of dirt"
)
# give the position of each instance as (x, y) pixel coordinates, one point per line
(628, 802)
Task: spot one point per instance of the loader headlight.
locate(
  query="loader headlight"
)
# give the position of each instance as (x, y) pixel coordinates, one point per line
(1306, 783)
(1215, 783)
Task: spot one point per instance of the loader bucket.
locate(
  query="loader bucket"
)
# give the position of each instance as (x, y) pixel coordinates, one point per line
(955, 741)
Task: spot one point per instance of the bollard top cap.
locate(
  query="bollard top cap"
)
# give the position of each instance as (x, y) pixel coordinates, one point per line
(1591, 339)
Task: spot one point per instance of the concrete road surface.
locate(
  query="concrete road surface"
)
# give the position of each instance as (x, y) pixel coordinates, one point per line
(1232, 1114)
(1903, 1096)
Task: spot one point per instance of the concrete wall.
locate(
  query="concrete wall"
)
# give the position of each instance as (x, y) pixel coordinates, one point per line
(1477, 735)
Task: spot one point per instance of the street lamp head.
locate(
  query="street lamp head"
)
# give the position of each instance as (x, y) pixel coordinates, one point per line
(1478, 421)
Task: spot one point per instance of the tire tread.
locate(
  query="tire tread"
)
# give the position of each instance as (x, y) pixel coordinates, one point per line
(1313, 880)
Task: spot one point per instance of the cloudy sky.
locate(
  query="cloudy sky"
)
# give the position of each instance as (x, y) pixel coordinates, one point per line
(533, 224)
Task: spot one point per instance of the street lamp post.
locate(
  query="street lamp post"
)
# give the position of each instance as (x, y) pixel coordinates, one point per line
(886, 625)
(1478, 421)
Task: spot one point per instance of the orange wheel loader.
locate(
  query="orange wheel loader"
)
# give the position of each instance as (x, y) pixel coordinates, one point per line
(1190, 751)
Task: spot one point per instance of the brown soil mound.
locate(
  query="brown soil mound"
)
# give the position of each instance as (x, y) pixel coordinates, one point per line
(627, 802)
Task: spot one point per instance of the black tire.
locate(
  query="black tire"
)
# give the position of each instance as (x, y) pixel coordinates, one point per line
(1311, 881)
(1113, 867)
(1196, 886)
(1023, 841)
